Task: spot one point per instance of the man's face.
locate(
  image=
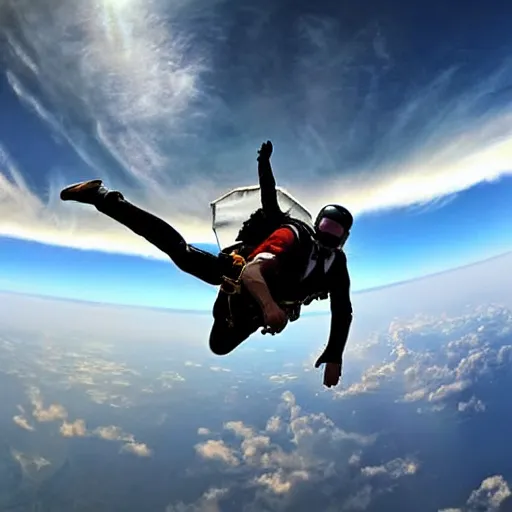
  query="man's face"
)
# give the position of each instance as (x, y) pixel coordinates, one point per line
(330, 233)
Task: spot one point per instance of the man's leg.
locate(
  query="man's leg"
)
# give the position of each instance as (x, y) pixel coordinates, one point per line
(226, 336)
(189, 259)
(224, 339)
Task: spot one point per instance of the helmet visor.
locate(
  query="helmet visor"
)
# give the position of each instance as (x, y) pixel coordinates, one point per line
(331, 227)
(330, 233)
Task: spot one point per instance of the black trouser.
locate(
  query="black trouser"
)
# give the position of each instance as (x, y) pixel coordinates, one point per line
(196, 262)
(224, 337)
(189, 259)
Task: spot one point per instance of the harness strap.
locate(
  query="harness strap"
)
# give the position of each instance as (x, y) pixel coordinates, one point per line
(230, 285)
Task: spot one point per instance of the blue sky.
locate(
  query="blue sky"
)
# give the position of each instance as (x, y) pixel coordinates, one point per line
(401, 112)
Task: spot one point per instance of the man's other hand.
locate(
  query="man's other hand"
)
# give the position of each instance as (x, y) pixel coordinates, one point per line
(332, 374)
(265, 152)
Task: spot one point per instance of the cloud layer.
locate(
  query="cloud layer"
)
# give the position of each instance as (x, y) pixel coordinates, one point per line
(250, 435)
(76, 428)
(465, 350)
(297, 459)
(155, 100)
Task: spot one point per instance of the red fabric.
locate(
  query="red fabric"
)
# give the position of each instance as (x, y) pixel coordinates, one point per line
(279, 242)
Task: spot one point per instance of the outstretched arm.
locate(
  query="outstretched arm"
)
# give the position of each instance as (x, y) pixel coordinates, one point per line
(267, 181)
(341, 320)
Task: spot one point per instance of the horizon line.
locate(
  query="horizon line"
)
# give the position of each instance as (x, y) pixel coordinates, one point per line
(208, 311)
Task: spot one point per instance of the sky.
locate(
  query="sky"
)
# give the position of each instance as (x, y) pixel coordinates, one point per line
(400, 112)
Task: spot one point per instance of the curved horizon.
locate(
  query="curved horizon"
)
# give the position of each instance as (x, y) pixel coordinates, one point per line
(170, 103)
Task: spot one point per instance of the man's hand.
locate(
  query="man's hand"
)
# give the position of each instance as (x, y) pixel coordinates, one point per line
(275, 319)
(332, 371)
(332, 374)
(265, 152)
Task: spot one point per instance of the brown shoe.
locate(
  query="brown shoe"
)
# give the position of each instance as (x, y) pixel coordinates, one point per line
(84, 192)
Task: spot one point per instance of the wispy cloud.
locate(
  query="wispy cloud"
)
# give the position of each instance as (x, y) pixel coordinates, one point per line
(22, 422)
(30, 464)
(474, 404)
(209, 502)
(394, 468)
(108, 433)
(141, 93)
(116, 92)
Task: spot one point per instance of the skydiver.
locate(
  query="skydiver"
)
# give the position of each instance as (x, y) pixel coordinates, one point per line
(290, 267)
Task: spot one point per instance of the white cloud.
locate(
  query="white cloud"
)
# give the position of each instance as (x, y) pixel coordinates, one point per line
(215, 449)
(22, 422)
(465, 348)
(112, 433)
(219, 369)
(413, 396)
(274, 424)
(75, 429)
(474, 404)
(254, 447)
(278, 482)
(108, 433)
(53, 413)
(396, 468)
(493, 491)
(318, 453)
(239, 429)
(446, 390)
(283, 378)
(78, 427)
(139, 449)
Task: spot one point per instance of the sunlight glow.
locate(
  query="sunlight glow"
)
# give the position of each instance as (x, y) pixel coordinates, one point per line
(118, 4)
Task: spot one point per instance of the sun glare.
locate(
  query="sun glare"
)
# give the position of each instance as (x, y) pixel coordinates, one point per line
(117, 5)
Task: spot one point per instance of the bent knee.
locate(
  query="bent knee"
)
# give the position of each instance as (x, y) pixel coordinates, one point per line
(220, 349)
(224, 340)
